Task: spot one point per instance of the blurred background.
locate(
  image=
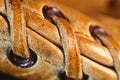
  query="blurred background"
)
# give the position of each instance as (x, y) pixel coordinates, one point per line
(90, 7)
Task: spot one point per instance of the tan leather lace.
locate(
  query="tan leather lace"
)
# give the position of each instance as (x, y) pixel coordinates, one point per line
(114, 49)
(18, 36)
(71, 50)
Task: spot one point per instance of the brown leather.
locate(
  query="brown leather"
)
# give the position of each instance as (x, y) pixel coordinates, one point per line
(66, 45)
